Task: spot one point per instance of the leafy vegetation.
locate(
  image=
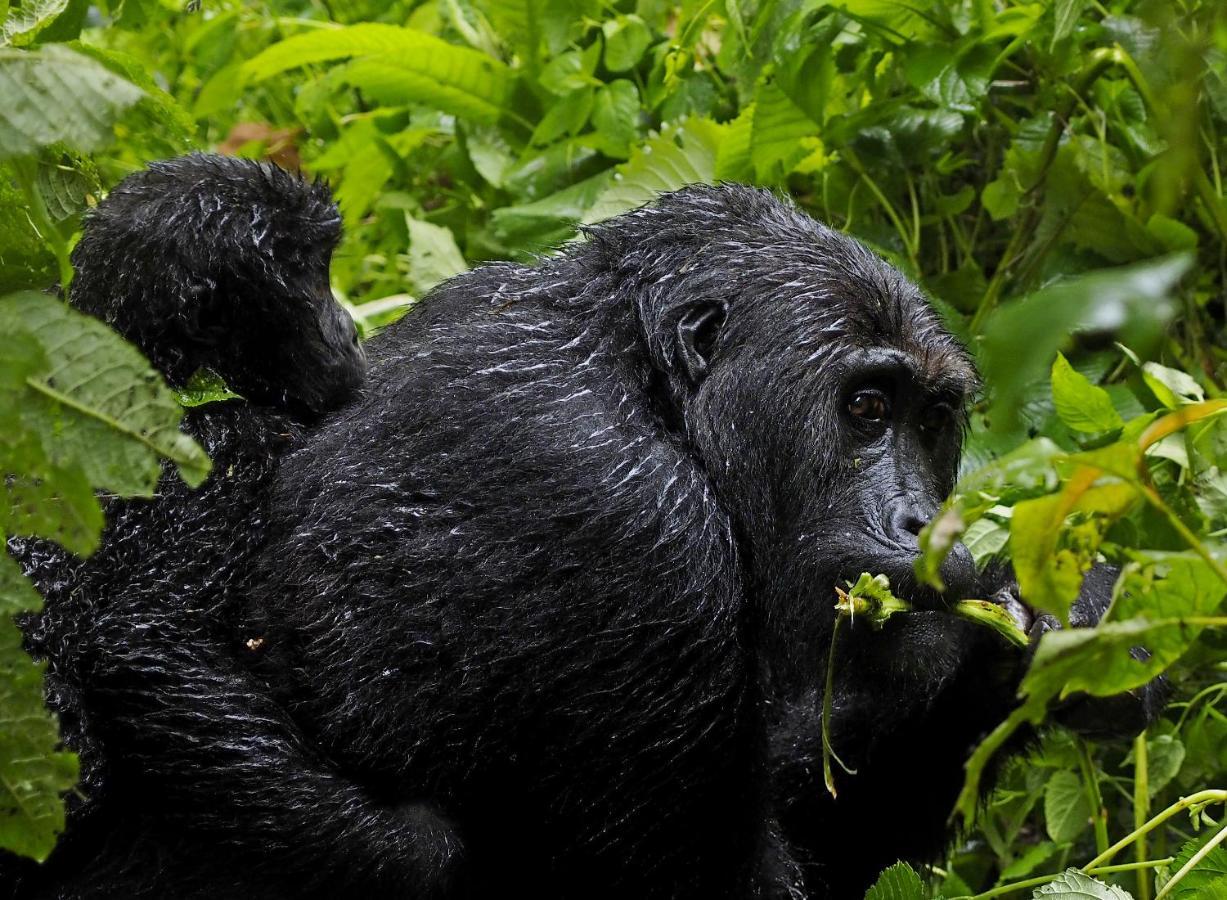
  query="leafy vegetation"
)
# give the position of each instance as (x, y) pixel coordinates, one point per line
(1051, 173)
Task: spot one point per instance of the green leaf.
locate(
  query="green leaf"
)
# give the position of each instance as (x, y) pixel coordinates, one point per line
(1205, 881)
(682, 154)
(1073, 885)
(1065, 14)
(567, 116)
(899, 882)
(1082, 406)
(1022, 338)
(733, 161)
(615, 116)
(1050, 557)
(1164, 756)
(54, 95)
(551, 219)
(33, 772)
(1067, 812)
(97, 404)
(399, 65)
(25, 259)
(571, 71)
(24, 23)
(626, 39)
(870, 598)
(203, 388)
(1167, 586)
(778, 127)
(1024, 472)
(433, 254)
(38, 497)
(984, 539)
(897, 21)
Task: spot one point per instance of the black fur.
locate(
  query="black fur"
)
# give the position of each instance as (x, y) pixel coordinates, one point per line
(219, 263)
(545, 611)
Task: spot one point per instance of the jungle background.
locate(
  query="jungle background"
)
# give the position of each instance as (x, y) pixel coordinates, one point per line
(1050, 172)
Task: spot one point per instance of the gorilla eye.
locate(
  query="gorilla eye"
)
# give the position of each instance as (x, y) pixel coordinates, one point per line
(871, 406)
(936, 417)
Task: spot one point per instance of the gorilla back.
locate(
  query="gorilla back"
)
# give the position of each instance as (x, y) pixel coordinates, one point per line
(546, 608)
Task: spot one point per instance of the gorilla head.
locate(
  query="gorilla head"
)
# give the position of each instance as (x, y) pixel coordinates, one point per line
(819, 392)
(206, 261)
(545, 609)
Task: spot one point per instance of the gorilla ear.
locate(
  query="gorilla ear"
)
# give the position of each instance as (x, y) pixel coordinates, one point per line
(696, 335)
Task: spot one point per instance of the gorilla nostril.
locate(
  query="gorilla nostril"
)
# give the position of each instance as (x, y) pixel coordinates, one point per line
(906, 521)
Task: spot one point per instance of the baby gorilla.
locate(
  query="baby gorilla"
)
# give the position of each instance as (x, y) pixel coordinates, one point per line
(545, 610)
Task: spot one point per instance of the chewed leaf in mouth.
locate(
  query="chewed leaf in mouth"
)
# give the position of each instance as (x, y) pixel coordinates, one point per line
(870, 599)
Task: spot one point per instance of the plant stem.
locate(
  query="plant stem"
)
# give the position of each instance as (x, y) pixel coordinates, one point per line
(1141, 808)
(1099, 815)
(828, 752)
(1038, 880)
(1197, 799)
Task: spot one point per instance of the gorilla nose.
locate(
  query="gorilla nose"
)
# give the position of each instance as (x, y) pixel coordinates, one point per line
(904, 521)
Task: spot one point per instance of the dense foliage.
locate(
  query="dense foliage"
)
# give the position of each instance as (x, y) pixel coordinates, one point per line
(1052, 173)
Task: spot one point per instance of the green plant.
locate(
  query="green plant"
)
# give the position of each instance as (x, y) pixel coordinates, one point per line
(1042, 170)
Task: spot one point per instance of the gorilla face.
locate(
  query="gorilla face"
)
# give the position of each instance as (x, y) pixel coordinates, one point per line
(828, 407)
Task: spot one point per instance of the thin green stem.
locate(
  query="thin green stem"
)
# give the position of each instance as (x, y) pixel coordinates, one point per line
(828, 751)
(1039, 880)
(1141, 808)
(1193, 861)
(1099, 815)
(1198, 799)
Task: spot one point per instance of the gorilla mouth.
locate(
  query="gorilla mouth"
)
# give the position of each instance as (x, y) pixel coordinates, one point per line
(873, 601)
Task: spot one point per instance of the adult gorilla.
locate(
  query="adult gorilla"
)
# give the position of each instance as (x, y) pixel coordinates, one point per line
(545, 610)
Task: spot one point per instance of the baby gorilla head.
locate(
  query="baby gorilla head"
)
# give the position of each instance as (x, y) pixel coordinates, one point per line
(222, 264)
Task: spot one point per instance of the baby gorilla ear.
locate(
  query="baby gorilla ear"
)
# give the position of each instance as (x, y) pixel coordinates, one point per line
(697, 330)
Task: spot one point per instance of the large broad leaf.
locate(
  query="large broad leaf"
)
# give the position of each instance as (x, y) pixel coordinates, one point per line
(433, 254)
(36, 496)
(776, 133)
(399, 65)
(1067, 812)
(680, 155)
(1022, 338)
(52, 95)
(33, 773)
(96, 404)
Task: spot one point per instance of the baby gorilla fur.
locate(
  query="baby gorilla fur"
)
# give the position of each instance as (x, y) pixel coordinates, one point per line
(545, 608)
